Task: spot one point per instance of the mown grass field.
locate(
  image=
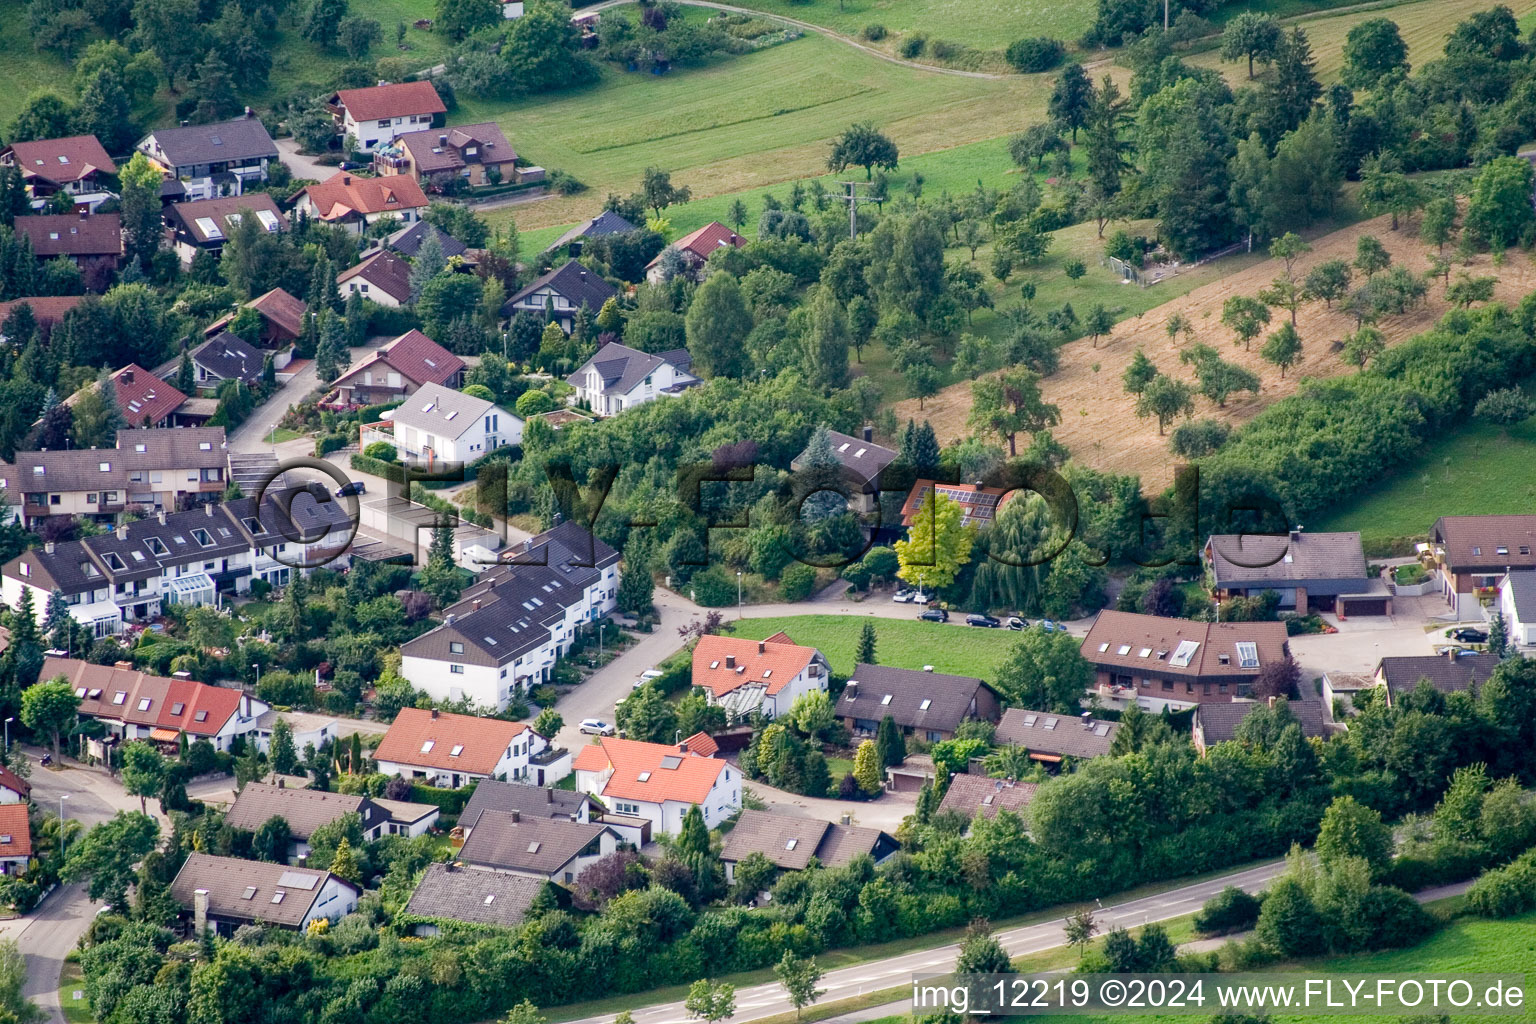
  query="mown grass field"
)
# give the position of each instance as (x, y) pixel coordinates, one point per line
(1476, 470)
(905, 643)
(985, 24)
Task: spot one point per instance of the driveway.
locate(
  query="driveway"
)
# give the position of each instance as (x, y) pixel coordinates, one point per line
(1362, 642)
(300, 165)
(885, 812)
(254, 434)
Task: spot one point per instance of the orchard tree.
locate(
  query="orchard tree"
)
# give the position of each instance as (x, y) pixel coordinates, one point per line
(1504, 407)
(863, 145)
(1438, 222)
(1282, 348)
(1245, 316)
(1328, 281)
(1363, 345)
(657, 191)
(1385, 189)
(1010, 403)
(1167, 399)
(1499, 212)
(1251, 35)
(1371, 256)
(1139, 373)
(1373, 49)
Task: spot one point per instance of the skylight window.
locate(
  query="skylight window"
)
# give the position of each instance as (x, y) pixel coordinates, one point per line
(714, 664)
(1145, 652)
(139, 448)
(1247, 655)
(925, 705)
(533, 847)
(767, 672)
(644, 777)
(885, 700)
(250, 892)
(1050, 723)
(791, 844)
(104, 467)
(203, 537)
(490, 898)
(205, 446)
(120, 697)
(277, 897)
(201, 716)
(178, 707)
(458, 748)
(1123, 649)
(426, 748)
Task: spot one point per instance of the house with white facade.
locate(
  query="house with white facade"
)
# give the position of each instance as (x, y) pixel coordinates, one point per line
(748, 677)
(506, 631)
(658, 782)
(556, 297)
(305, 810)
(134, 705)
(211, 160)
(618, 377)
(379, 113)
(438, 424)
(353, 202)
(448, 750)
(223, 893)
(1517, 603)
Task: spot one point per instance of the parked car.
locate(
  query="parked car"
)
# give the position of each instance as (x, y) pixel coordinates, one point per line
(934, 615)
(1468, 635)
(595, 727)
(903, 596)
(351, 490)
(1014, 622)
(1052, 627)
(646, 677)
(990, 621)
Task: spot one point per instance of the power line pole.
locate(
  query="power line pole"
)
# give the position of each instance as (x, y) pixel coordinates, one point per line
(853, 199)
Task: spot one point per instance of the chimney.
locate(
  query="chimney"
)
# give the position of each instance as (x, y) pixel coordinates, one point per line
(282, 783)
(549, 796)
(852, 689)
(346, 179)
(434, 712)
(442, 140)
(869, 433)
(1271, 701)
(127, 377)
(517, 816)
(85, 214)
(1295, 533)
(762, 647)
(682, 748)
(476, 605)
(249, 112)
(126, 666)
(1087, 720)
(730, 661)
(161, 516)
(48, 547)
(200, 910)
(122, 532)
(847, 819)
(208, 510)
(583, 275)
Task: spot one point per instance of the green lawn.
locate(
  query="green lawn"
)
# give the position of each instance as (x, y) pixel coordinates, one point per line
(76, 1011)
(29, 69)
(906, 643)
(985, 24)
(1476, 470)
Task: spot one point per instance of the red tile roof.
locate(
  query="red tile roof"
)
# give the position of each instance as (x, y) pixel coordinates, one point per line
(282, 309)
(688, 781)
(708, 238)
(46, 309)
(417, 357)
(143, 396)
(194, 699)
(483, 741)
(102, 684)
(15, 827)
(344, 192)
(703, 744)
(15, 783)
(725, 663)
(61, 160)
(385, 271)
(399, 100)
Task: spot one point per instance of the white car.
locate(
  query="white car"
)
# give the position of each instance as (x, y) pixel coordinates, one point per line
(902, 596)
(595, 727)
(646, 677)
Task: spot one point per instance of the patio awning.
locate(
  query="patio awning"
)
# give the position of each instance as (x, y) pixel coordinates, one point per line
(164, 735)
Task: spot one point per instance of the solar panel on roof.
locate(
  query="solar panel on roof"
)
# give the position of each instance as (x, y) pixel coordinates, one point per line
(670, 761)
(299, 880)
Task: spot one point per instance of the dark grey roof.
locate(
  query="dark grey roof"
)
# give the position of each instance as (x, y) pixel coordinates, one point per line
(534, 801)
(244, 138)
(875, 691)
(622, 368)
(1448, 673)
(473, 896)
(1522, 590)
(303, 809)
(580, 286)
(1218, 722)
(407, 241)
(1300, 556)
(230, 357)
(863, 459)
(141, 450)
(565, 546)
(509, 841)
(227, 880)
(1065, 735)
(605, 223)
(790, 841)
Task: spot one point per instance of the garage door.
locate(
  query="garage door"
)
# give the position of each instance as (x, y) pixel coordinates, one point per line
(1364, 606)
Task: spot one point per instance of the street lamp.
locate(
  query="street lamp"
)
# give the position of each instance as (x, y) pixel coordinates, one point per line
(257, 665)
(8, 722)
(738, 594)
(62, 833)
(600, 627)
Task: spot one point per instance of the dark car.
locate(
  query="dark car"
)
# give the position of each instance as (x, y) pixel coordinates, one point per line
(990, 621)
(1468, 635)
(935, 615)
(351, 490)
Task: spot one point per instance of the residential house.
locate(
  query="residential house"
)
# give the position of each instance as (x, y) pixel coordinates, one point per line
(225, 356)
(223, 893)
(658, 782)
(1341, 690)
(506, 631)
(1474, 552)
(413, 526)
(790, 842)
(553, 849)
(145, 400)
(211, 160)
(757, 677)
(695, 248)
(1309, 571)
(382, 278)
(440, 424)
(1517, 603)
(530, 801)
(282, 319)
(149, 470)
(133, 705)
(47, 311)
(978, 504)
(185, 558)
(1217, 723)
(972, 795)
(556, 297)
(862, 461)
(397, 370)
(355, 202)
(73, 165)
(13, 788)
(448, 750)
(618, 377)
(605, 223)
(448, 893)
(305, 810)
(1455, 671)
(94, 241)
(407, 818)
(407, 242)
(927, 704)
(15, 838)
(1177, 663)
(1051, 737)
(305, 727)
(380, 113)
(477, 154)
(204, 225)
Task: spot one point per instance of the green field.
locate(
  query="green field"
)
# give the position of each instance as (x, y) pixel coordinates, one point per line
(904, 643)
(76, 1011)
(985, 24)
(1476, 470)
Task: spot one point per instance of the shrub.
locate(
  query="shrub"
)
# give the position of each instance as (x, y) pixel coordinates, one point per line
(796, 582)
(327, 443)
(381, 450)
(1198, 438)
(912, 45)
(564, 183)
(944, 50)
(872, 33)
(1035, 53)
(1506, 891)
(715, 587)
(1231, 910)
